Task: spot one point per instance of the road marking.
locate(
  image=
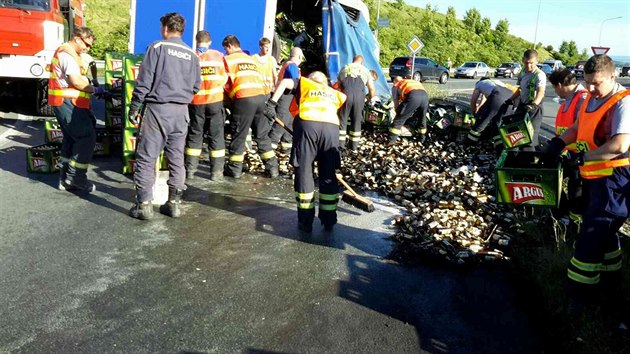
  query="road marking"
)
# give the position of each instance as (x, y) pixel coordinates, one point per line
(23, 121)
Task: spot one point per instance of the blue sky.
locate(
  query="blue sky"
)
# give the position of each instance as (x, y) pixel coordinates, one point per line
(578, 20)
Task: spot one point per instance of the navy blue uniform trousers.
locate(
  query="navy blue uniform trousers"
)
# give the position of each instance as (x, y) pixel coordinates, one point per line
(164, 127)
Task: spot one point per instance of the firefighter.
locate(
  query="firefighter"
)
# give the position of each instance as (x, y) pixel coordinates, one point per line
(246, 89)
(290, 70)
(316, 136)
(602, 138)
(207, 104)
(530, 93)
(493, 95)
(267, 65)
(69, 94)
(410, 100)
(168, 79)
(565, 84)
(353, 79)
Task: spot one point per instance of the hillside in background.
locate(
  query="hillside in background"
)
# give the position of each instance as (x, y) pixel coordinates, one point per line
(443, 35)
(109, 20)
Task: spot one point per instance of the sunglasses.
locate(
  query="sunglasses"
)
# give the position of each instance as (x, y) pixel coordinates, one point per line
(88, 45)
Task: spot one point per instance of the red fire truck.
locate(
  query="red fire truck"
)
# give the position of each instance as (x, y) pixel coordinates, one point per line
(30, 33)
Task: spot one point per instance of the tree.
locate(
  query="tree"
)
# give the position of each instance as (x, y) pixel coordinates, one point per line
(501, 32)
(472, 19)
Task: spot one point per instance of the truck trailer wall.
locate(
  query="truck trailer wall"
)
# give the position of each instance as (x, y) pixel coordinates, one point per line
(145, 21)
(345, 37)
(247, 20)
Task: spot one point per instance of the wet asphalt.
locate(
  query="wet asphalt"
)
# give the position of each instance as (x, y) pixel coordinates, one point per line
(233, 275)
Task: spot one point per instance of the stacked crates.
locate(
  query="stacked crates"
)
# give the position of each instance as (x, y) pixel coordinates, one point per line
(130, 69)
(113, 105)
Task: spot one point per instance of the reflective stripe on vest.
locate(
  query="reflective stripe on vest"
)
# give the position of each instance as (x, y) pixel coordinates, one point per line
(319, 102)
(532, 85)
(405, 86)
(213, 78)
(587, 128)
(245, 80)
(266, 71)
(565, 120)
(56, 93)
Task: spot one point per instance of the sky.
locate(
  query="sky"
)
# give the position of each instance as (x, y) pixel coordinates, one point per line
(578, 20)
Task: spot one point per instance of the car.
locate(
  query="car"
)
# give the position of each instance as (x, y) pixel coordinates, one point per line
(473, 69)
(571, 68)
(545, 68)
(625, 71)
(579, 69)
(507, 70)
(554, 64)
(423, 69)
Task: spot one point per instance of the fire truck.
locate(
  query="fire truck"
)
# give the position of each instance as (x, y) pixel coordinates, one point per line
(30, 33)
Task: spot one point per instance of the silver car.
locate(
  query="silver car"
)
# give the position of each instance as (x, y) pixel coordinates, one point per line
(473, 69)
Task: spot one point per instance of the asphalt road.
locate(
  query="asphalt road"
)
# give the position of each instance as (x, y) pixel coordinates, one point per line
(77, 275)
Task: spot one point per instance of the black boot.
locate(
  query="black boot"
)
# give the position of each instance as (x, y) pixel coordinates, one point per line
(191, 163)
(76, 180)
(63, 168)
(141, 210)
(172, 207)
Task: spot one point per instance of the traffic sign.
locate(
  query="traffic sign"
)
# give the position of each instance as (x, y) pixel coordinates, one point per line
(414, 45)
(382, 22)
(600, 50)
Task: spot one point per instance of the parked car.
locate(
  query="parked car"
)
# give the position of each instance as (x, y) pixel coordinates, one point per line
(507, 70)
(545, 68)
(473, 69)
(579, 69)
(423, 69)
(625, 71)
(571, 68)
(554, 64)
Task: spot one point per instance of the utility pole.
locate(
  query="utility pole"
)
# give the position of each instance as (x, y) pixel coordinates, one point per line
(601, 27)
(536, 30)
(378, 15)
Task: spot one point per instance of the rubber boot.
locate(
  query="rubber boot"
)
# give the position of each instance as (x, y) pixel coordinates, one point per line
(234, 170)
(191, 163)
(141, 210)
(76, 180)
(271, 167)
(216, 165)
(63, 168)
(172, 207)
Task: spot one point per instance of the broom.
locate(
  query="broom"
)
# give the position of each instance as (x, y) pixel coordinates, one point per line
(349, 195)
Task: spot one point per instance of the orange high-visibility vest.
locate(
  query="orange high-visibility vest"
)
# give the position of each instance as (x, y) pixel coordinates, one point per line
(56, 93)
(244, 78)
(405, 86)
(266, 70)
(565, 120)
(588, 122)
(213, 78)
(318, 102)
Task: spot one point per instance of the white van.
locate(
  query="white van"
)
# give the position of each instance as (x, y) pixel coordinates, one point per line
(555, 64)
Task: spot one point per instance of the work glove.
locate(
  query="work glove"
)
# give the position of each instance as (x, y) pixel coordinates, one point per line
(531, 108)
(576, 160)
(134, 116)
(508, 102)
(554, 147)
(270, 109)
(101, 92)
(374, 100)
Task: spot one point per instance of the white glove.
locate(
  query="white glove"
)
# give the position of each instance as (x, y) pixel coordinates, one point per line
(375, 99)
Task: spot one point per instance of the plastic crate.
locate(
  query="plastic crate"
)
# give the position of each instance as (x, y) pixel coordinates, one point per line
(103, 143)
(53, 132)
(516, 130)
(42, 158)
(528, 177)
(376, 115)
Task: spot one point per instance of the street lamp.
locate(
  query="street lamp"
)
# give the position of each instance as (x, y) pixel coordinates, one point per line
(537, 18)
(378, 15)
(601, 27)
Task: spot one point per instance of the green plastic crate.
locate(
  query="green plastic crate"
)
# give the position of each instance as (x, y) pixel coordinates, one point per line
(516, 130)
(528, 177)
(42, 158)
